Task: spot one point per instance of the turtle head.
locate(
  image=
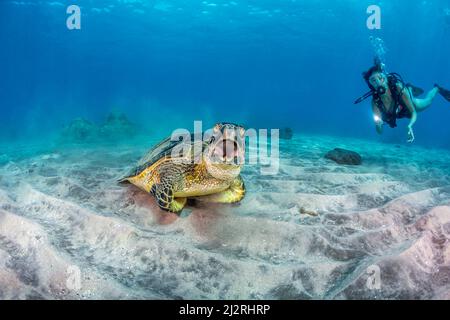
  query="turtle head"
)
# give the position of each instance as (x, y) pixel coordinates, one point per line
(225, 153)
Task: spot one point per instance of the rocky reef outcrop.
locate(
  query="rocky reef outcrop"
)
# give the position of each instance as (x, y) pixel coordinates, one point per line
(80, 130)
(286, 133)
(116, 127)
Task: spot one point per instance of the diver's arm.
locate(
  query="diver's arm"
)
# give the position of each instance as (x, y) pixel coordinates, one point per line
(377, 117)
(413, 118)
(407, 99)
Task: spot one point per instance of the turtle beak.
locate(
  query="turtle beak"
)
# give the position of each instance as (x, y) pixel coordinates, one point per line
(226, 150)
(229, 147)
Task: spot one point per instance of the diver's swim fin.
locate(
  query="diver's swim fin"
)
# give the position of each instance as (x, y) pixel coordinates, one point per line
(416, 91)
(444, 92)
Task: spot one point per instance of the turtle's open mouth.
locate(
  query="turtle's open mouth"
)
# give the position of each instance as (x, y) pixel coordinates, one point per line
(226, 151)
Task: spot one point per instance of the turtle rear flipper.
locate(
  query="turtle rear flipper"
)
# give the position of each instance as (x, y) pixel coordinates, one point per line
(233, 194)
(123, 180)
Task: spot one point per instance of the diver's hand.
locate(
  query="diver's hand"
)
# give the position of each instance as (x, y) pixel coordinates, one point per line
(411, 137)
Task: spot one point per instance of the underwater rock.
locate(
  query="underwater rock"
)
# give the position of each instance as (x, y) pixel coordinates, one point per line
(286, 133)
(117, 126)
(80, 130)
(308, 212)
(342, 156)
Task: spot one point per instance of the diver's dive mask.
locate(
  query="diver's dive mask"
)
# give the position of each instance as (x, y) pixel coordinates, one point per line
(375, 90)
(378, 91)
(377, 82)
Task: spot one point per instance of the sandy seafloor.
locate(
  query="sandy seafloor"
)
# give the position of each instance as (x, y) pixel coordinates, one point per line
(61, 210)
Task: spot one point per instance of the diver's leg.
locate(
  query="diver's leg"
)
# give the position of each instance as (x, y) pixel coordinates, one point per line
(233, 194)
(444, 92)
(422, 104)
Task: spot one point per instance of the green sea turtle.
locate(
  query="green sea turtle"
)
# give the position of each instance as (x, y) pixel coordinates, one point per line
(205, 169)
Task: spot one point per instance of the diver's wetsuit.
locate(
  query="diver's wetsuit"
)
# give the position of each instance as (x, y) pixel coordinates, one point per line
(400, 110)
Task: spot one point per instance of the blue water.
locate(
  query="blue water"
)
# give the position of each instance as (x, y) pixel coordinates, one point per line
(262, 63)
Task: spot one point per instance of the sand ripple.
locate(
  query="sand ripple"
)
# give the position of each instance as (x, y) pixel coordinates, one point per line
(62, 215)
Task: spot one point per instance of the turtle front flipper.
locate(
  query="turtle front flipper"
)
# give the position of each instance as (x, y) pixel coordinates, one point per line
(177, 205)
(166, 200)
(233, 194)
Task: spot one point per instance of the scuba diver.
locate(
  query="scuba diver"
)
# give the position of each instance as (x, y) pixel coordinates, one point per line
(392, 99)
